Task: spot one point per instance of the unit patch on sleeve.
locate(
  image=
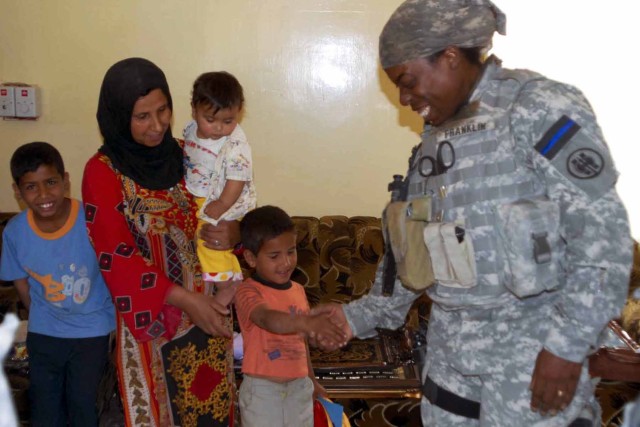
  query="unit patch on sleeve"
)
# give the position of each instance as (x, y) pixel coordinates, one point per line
(580, 155)
(585, 163)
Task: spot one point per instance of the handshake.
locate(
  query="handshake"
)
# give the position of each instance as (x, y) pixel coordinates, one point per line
(328, 327)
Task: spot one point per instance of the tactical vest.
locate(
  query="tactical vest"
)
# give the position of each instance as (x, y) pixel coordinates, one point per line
(488, 182)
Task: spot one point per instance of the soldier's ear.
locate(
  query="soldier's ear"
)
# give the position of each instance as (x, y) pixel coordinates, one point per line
(453, 56)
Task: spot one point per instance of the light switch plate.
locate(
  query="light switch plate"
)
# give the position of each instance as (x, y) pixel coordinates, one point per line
(26, 101)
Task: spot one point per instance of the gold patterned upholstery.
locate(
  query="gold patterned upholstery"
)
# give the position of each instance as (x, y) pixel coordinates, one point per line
(337, 256)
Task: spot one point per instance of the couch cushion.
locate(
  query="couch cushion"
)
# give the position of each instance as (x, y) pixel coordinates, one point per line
(337, 256)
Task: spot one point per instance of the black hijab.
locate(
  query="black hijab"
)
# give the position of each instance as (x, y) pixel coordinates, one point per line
(155, 168)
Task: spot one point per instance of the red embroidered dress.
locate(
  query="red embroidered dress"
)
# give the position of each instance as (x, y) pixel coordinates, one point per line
(170, 372)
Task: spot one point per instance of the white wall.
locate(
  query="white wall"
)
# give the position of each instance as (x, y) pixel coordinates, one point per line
(325, 137)
(592, 45)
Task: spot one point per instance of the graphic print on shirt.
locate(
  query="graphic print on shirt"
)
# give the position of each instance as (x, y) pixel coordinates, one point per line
(75, 283)
(239, 164)
(198, 171)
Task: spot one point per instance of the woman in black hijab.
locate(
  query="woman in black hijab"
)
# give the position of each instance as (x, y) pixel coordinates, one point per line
(174, 354)
(152, 167)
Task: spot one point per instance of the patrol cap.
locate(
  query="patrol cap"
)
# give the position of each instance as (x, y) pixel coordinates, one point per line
(420, 28)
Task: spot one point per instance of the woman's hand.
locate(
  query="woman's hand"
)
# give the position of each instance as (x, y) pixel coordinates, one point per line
(204, 311)
(221, 237)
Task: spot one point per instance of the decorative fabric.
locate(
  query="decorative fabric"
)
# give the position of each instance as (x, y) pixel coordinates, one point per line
(145, 244)
(124, 83)
(195, 364)
(420, 28)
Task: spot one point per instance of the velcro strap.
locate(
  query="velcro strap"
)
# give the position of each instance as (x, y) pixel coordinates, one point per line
(481, 171)
(484, 170)
(450, 402)
(511, 192)
(483, 147)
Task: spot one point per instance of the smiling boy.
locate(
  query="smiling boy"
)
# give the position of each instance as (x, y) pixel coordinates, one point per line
(279, 383)
(47, 254)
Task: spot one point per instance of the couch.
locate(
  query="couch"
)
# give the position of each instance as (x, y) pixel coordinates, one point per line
(337, 259)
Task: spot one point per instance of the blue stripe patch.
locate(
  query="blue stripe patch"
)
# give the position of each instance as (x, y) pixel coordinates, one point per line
(557, 137)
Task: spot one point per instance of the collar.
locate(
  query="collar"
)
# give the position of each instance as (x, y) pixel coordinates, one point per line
(489, 69)
(278, 286)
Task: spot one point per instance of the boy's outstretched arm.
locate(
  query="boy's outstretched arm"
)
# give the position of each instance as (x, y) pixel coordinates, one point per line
(279, 322)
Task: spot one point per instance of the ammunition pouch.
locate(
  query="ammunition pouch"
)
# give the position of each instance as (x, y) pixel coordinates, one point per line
(403, 227)
(529, 232)
(452, 255)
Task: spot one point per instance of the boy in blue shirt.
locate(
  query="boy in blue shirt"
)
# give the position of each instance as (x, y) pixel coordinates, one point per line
(47, 254)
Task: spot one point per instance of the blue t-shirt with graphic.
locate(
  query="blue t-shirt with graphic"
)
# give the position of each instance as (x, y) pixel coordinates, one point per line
(69, 298)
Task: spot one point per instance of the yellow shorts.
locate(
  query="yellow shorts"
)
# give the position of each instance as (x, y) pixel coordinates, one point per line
(217, 266)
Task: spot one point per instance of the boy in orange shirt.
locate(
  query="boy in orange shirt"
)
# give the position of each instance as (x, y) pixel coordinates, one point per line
(279, 384)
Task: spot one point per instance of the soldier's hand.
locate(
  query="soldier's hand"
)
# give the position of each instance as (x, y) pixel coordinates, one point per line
(553, 383)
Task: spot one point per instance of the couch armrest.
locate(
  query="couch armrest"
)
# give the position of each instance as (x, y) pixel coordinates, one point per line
(620, 363)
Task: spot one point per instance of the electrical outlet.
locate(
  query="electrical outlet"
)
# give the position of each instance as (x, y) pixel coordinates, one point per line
(7, 101)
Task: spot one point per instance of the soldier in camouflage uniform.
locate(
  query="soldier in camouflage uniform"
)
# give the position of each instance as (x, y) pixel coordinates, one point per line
(531, 183)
